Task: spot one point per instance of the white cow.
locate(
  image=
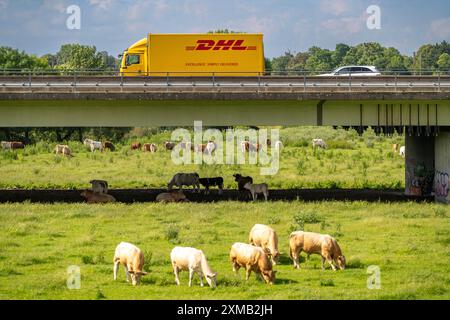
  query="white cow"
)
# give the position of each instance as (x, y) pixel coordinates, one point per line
(87, 143)
(132, 258)
(265, 237)
(96, 145)
(6, 145)
(210, 147)
(192, 260)
(402, 151)
(319, 143)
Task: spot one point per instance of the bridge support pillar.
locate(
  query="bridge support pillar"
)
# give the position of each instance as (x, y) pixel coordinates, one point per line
(442, 167)
(420, 165)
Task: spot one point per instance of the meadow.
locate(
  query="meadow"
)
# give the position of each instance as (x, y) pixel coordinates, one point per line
(409, 242)
(351, 161)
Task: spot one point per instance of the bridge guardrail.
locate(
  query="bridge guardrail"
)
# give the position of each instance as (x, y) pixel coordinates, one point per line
(107, 79)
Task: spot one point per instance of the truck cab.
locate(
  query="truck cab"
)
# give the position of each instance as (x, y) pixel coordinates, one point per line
(134, 59)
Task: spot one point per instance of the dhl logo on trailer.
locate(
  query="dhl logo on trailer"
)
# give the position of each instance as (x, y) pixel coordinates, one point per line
(206, 54)
(220, 45)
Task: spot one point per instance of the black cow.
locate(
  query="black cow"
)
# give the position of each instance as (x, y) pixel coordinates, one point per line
(241, 180)
(210, 182)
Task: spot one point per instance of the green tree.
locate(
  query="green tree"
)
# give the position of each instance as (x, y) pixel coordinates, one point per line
(281, 63)
(14, 59)
(319, 60)
(79, 57)
(444, 62)
(339, 54)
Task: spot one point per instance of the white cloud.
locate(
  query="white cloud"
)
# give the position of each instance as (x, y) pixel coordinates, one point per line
(334, 7)
(3, 4)
(195, 7)
(101, 4)
(440, 28)
(344, 26)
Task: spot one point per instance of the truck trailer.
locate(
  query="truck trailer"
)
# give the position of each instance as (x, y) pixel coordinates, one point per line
(180, 55)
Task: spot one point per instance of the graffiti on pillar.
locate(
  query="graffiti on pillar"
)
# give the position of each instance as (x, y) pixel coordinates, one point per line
(441, 184)
(419, 179)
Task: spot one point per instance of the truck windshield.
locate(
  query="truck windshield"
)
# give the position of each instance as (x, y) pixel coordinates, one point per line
(133, 59)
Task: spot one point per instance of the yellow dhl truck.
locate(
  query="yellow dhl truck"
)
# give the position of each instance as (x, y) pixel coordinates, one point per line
(235, 54)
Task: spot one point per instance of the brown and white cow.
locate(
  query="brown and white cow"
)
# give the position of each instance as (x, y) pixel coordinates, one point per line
(94, 197)
(149, 147)
(132, 258)
(315, 243)
(136, 146)
(169, 145)
(252, 259)
(265, 237)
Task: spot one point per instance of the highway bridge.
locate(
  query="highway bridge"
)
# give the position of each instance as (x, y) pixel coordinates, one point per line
(416, 105)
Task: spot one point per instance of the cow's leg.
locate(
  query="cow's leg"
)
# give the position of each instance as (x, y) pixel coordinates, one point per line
(176, 273)
(200, 274)
(127, 273)
(220, 189)
(248, 270)
(191, 275)
(115, 269)
(255, 196)
(323, 263)
(265, 195)
(236, 267)
(295, 254)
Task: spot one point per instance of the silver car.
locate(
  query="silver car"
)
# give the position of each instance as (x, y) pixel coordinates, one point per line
(354, 71)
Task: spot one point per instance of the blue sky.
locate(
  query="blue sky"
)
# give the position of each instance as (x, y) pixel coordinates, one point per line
(39, 26)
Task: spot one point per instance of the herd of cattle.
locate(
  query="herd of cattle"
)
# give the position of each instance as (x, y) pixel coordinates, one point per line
(260, 255)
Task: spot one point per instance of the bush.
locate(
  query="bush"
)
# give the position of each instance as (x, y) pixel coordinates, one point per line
(306, 217)
(172, 233)
(340, 144)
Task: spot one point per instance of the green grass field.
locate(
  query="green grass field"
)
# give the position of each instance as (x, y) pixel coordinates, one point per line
(409, 242)
(350, 161)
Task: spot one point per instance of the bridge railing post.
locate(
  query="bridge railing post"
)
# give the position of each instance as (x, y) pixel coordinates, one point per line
(213, 79)
(350, 82)
(304, 81)
(29, 78)
(439, 81)
(396, 81)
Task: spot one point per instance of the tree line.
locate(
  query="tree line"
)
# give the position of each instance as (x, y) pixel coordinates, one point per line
(431, 57)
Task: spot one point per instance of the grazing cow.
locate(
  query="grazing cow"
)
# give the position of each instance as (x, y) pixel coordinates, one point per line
(96, 145)
(255, 189)
(185, 179)
(316, 243)
(132, 258)
(136, 146)
(209, 182)
(241, 182)
(395, 147)
(92, 197)
(402, 151)
(247, 146)
(66, 151)
(6, 145)
(169, 145)
(149, 147)
(265, 237)
(87, 143)
(211, 146)
(63, 149)
(99, 186)
(316, 143)
(252, 259)
(17, 145)
(186, 145)
(174, 196)
(200, 147)
(109, 145)
(192, 260)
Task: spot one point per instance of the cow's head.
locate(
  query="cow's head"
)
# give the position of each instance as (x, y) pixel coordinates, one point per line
(136, 277)
(269, 276)
(247, 185)
(341, 262)
(212, 279)
(237, 176)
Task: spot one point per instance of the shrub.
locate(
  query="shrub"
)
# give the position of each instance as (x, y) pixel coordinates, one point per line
(172, 233)
(340, 144)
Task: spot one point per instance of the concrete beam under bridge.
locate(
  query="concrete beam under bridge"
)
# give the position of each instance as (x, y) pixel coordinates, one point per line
(428, 166)
(124, 113)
